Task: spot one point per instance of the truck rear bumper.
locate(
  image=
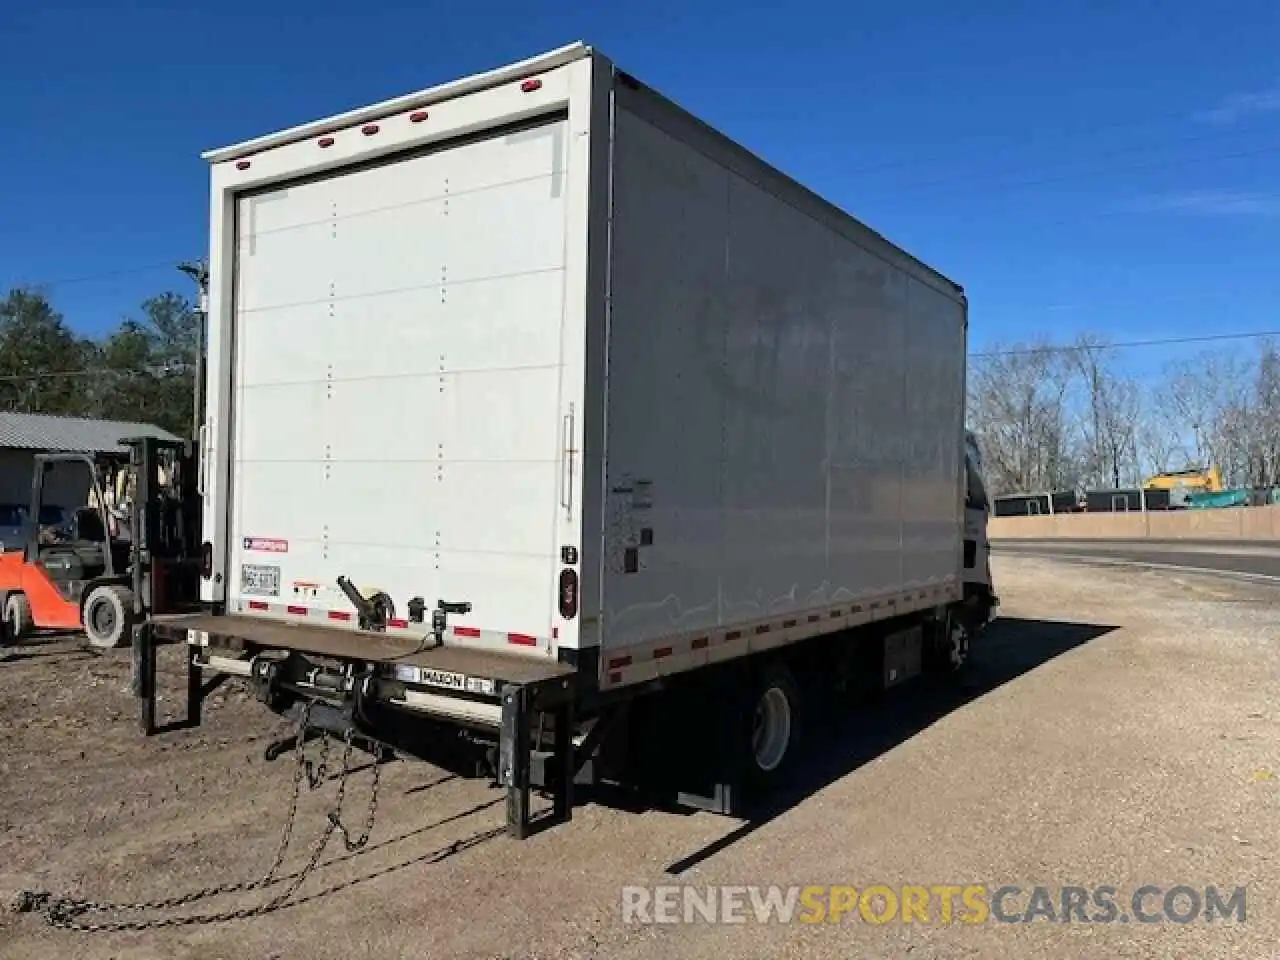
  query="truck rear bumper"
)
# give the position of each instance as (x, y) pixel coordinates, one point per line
(520, 694)
(413, 660)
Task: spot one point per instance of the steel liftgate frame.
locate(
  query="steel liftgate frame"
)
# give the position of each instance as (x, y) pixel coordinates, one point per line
(526, 701)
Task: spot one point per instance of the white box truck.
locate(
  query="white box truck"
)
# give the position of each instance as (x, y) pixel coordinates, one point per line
(540, 413)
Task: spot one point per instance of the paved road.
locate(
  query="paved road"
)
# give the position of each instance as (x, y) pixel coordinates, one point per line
(1258, 560)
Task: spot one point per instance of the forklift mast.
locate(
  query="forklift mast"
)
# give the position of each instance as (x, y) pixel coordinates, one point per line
(165, 554)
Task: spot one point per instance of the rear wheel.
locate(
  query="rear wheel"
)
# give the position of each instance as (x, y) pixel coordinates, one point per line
(947, 652)
(108, 616)
(774, 727)
(17, 613)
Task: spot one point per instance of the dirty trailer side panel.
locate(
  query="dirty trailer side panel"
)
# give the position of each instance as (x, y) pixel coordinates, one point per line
(784, 409)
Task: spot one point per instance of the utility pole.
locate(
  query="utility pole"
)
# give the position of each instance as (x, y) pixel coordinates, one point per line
(199, 272)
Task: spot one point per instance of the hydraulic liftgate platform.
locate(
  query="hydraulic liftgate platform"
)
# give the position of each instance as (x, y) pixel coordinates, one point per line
(521, 693)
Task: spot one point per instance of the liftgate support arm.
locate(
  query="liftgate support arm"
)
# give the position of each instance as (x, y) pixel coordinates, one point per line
(520, 702)
(514, 750)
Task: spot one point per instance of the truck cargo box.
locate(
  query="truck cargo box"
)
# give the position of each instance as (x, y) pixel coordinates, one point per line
(540, 342)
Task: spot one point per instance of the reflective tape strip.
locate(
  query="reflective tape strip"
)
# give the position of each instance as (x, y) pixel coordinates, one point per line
(667, 655)
(334, 617)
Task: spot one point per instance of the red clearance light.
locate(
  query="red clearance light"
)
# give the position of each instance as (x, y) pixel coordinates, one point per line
(295, 611)
(369, 129)
(531, 85)
(417, 116)
(242, 165)
(339, 615)
(522, 639)
(325, 141)
(258, 605)
(568, 593)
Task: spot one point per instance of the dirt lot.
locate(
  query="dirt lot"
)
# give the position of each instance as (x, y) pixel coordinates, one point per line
(1116, 729)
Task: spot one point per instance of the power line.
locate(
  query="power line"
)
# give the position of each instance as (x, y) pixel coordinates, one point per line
(979, 355)
(1125, 344)
(1114, 152)
(108, 274)
(1066, 177)
(102, 372)
(925, 184)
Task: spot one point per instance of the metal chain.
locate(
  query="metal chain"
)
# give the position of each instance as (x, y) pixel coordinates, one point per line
(64, 912)
(316, 776)
(335, 815)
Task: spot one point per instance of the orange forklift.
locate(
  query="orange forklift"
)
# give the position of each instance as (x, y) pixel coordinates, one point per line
(130, 551)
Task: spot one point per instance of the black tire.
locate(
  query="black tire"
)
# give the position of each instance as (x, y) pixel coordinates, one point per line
(108, 617)
(17, 614)
(949, 640)
(771, 730)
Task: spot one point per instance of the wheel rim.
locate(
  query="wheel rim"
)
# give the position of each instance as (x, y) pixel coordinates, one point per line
(771, 729)
(102, 619)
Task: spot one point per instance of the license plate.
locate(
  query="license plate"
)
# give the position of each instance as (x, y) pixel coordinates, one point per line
(406, 673)
(260, 580)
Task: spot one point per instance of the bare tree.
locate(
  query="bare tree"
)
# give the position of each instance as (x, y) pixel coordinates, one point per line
(1109, 419)
(1017, 408)
(1162, 438)
(1054, 418)
(1247, 422)
(1210, 395)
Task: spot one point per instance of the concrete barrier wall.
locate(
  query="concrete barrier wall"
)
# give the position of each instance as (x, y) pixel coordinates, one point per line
(1230, 523)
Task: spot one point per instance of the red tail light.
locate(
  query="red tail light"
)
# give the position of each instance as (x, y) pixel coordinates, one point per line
(568, 593)
(206, 560)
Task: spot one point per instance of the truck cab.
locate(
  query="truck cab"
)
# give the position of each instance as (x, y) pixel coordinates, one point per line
(979, 589)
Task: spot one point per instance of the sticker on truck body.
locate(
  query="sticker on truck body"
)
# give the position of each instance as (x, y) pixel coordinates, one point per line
(407, 673)
(260, 580)
(266, 545)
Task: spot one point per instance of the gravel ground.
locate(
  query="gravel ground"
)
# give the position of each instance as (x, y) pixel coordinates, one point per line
(1116, 728)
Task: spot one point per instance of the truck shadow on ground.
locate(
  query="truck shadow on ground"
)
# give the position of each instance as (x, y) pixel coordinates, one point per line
(852, 737)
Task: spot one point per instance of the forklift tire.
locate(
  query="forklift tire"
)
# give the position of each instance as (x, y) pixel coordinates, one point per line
(17, 614)
(108, 617)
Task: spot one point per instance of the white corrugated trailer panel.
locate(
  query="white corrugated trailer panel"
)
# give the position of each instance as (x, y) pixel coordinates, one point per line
(397, 381)
(500, 334)
(785, 404)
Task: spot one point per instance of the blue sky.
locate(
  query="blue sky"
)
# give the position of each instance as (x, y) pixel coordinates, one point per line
(1080, 166)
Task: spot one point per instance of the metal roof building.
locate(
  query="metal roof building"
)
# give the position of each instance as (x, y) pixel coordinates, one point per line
(35, 431)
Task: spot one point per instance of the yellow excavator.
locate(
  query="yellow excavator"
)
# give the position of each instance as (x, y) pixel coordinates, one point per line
(1192, 480)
